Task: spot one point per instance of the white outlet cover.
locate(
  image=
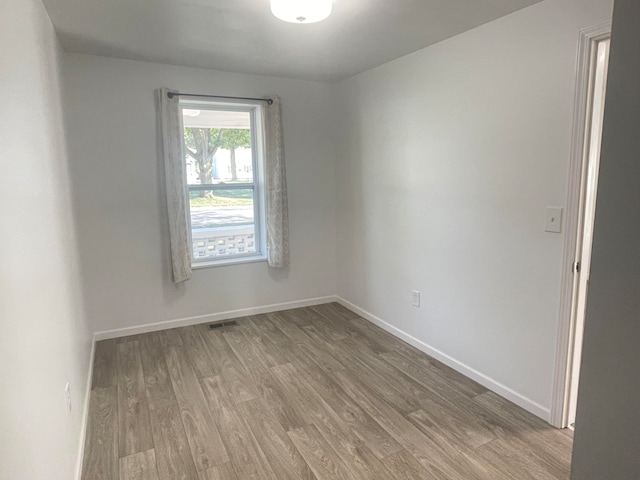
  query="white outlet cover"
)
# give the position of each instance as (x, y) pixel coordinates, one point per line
(415, 298)
(553, 220)
(67, 395)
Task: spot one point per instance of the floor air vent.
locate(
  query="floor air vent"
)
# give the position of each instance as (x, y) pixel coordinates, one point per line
(230, 323)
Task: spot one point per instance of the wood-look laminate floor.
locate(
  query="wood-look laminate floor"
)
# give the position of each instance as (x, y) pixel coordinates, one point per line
(313, 393)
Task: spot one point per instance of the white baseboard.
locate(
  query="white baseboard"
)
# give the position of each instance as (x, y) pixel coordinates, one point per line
(85, 412)
(479, 377)
(212, 317)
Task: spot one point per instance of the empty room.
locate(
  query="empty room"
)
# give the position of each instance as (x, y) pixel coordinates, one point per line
(320, 239)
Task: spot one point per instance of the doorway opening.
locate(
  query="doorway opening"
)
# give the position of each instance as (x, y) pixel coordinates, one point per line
(581, 207)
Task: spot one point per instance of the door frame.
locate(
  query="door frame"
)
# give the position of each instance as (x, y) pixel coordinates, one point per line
(588, 39)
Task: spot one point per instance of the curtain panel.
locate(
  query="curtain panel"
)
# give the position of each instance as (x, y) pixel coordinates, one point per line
(176, 195)
(277, 210)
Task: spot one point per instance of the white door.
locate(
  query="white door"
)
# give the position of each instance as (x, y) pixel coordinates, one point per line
(593, 137)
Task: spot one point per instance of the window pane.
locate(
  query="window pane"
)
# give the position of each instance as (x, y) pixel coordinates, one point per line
(222, 222)
(218, 146)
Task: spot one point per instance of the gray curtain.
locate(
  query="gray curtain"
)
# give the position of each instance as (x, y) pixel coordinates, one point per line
(277, 210)
(173, 157)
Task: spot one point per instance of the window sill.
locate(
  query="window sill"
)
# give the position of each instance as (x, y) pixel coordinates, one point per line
(228, 261)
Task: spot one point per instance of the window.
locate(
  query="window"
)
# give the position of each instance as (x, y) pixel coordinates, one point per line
(230, 211)
(223, 147)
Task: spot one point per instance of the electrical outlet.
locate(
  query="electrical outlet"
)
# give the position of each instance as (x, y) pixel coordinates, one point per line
(415, 298)
(67, 395)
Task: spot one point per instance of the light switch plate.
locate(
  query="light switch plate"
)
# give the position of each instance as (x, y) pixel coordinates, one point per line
(553, 221)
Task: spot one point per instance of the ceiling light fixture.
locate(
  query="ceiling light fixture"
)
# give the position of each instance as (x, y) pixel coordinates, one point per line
(301, 11)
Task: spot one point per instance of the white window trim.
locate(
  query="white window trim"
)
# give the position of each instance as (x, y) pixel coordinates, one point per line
(257, 152)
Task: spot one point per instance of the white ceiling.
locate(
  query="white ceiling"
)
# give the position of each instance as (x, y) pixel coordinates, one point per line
(243, 36)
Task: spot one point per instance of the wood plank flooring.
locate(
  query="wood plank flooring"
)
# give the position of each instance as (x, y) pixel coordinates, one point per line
(315, 393)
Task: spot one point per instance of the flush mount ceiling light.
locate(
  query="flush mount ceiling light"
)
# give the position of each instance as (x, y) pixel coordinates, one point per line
(301, 11)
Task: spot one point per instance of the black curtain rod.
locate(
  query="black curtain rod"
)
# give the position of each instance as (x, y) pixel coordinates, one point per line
(176, 94)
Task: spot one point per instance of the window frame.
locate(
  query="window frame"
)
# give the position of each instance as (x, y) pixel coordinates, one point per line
(255, 110)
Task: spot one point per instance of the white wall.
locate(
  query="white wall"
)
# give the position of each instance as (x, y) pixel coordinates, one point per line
(44, 341)
(607, 437)
(477, 129)
(112, 142)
